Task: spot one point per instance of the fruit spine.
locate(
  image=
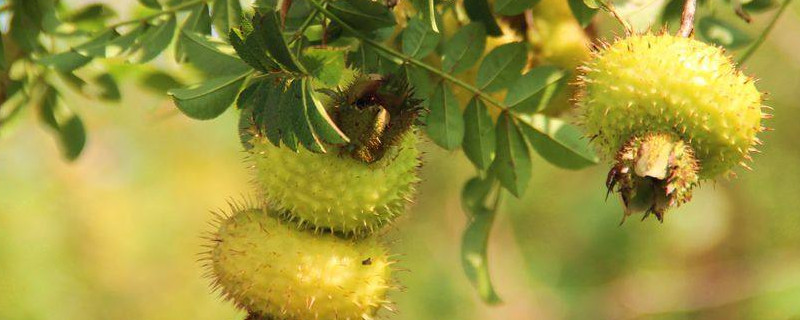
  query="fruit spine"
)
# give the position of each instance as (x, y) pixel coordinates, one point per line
(672, 111)
(270, 268)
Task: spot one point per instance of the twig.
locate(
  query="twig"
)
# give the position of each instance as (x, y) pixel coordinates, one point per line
(609, 7)
(763, 36)
(687, 18)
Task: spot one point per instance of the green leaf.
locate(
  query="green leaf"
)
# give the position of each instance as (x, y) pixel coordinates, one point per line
(524, 93)
(513, 7)
(91, 12)
(420, 80)
(325, 64)
(153, 41)
(105, 87)
(199, 22)
(419, 40)
(118, 45)
(722, 33)
(474, 242)
(444, 123)
(252, 50)
(296, 106)
(80, 55)
(226, 14)
(268, 28)
(209, 99)
(582, 12)
(73, 137)
(158, 81)
(593, 4)
(512, 163)
(323, 125)
(68, 126)
(479, 134)
(475, 193)
(211, 56)
(558, 142)
(502, 66)
(365, 15)
(464, 49)
(153, 4)
(480, 11)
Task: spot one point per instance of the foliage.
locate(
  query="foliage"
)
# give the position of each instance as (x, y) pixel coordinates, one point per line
(272, 59)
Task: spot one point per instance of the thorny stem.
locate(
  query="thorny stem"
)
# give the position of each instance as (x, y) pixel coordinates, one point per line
(763, 36)
(172, 10)
(687, 18)
(407, 59)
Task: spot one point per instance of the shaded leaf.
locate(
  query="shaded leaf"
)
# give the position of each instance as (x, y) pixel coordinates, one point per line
(3, 64)
(80, 55)
(722, 33)
(419, 40)
(208, 99)
(366, 15)
(464, 49)
(151, 4)
(199, 22)
(513, 7)
(296, 107)
(118, 45)
(479, 134)
(558, 142)
(474, 242)
(502, 66)
(582, 12)
(226, 14)
(475, 193)
(269, 28)
(252, 50)
(159, 81)
(524, 94)
(512, 162)
(68, 126)
(420, 80)
(211, 56)
(73, 137)
(105, 87)
(150, 44)
(480, 11)
(444, 123)
(91, 12)
(323, 125)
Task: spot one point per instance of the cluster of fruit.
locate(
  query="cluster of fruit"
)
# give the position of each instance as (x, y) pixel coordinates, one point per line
(310, 249)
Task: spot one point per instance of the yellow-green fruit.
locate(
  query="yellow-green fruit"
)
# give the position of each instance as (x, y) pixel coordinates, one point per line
(648, 84)
(335, 191)
(271, 268)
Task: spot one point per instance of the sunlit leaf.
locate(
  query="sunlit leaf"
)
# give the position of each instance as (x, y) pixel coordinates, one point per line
(558, 142)
(80, 55)
(198, 21)
(151, 4)
(512, 162)
(296, 111)
(524, 94)
(479, 134)
(464, 49)
(268, 27)
(502, 66)
(325, 64)
(419, 40)
(323, 125)
(444, 123)
(208, 99)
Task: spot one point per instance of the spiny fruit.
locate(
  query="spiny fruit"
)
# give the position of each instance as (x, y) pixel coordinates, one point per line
(354, 188)
(671, 111)
(276, 271)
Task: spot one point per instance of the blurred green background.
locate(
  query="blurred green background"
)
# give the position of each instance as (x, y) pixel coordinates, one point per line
(115, 234)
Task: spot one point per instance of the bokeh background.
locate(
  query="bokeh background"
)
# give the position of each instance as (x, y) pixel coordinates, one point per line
(115, 234)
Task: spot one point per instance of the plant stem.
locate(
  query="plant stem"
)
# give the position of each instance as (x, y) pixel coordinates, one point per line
(609, 7)
(172, 10)
(763, 36)
(299, 33)
(687, 18)
(408, 59)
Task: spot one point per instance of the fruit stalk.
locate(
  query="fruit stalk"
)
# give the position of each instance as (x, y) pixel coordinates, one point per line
(687, 18)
